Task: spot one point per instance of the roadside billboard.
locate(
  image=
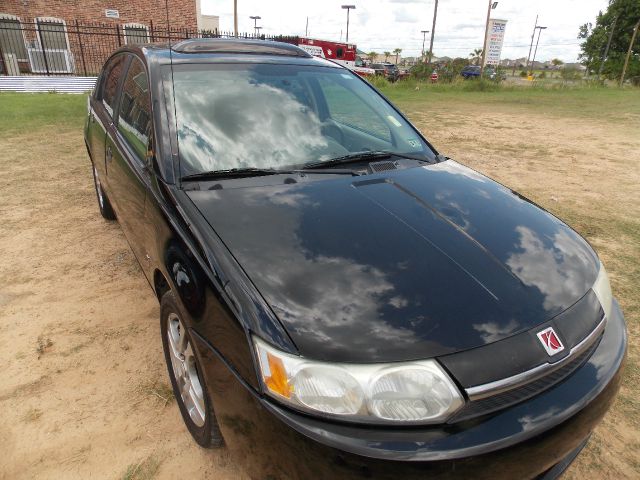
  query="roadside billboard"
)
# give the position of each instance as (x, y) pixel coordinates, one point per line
(495, 39)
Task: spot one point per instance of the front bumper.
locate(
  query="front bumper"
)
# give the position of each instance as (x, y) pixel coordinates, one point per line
(523, 441)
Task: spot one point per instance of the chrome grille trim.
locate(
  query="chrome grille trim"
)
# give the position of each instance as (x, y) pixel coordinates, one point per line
(499, 386)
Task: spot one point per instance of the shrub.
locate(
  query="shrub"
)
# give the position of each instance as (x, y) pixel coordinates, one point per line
(523, 74)
(379, 81)
(570, 74)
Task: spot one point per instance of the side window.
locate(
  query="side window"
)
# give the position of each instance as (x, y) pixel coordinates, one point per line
(135, 33)
(134, 117)
(52, 33)
(347, 108)
(112, 75)
(12, 38)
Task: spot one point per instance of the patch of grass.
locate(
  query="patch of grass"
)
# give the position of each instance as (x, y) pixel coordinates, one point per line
(144, 470)
(158, 390)
(611, 104)
(43, 345)
(76, 348)
(32, 415)
(22, 112)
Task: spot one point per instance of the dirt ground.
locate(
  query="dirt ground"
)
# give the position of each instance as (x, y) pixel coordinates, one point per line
(84, 391)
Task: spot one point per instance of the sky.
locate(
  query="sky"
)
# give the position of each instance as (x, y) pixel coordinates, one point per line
(383, 25)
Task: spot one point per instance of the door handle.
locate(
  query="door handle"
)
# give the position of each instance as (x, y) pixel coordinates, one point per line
(109, 154)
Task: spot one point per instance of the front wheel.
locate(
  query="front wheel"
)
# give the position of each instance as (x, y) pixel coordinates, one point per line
(186, 375)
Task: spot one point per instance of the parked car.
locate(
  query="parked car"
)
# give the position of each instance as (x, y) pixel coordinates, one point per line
(471, 71)
(388, 70)
(338, 299)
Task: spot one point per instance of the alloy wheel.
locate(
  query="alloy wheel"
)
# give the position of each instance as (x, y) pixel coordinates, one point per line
(183, 363)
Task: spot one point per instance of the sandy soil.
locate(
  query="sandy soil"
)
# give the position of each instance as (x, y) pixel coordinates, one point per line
(84, 391)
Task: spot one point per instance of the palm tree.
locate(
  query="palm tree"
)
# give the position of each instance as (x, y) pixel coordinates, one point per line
(397, 52)
(372, 56)
(476, 56)
(386, 56)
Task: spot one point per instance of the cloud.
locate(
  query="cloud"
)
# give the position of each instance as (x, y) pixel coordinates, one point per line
(402, 15)
(459, 29)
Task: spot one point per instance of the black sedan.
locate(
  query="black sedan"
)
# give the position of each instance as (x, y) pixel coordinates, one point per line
(338, 299)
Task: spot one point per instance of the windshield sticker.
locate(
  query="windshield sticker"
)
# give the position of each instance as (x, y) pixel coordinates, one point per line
(414, 142)
(394, 120)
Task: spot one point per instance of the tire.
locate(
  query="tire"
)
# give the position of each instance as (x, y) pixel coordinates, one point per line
(185, 374)
(103, 201)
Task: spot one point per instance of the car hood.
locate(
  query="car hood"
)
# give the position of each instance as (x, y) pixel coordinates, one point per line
(409, 264)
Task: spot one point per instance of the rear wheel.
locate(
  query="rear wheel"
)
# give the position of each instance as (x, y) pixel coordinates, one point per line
(103, 202)
(186, 375)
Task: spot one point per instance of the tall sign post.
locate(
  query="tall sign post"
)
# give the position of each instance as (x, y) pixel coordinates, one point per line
(494, 41)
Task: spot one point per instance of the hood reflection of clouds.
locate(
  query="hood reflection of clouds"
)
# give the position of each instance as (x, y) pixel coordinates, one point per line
(550, 266)
(492, 332)
(530, 422)
(235, 122)
(320, 295)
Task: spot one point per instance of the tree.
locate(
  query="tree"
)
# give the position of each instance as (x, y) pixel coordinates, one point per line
(372, 56)
(397, 52)
(386, 56)
(476, 56)
(556, 62)
(625, 13)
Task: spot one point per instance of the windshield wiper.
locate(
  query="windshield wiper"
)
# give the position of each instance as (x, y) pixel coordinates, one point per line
(359, 157)
(233, 173)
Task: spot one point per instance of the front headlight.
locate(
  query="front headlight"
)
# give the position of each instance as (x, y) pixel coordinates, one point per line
(417, 392)
(602, 289)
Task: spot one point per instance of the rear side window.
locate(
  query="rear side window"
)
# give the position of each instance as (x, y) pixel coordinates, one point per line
(134, 116)
(113, 72)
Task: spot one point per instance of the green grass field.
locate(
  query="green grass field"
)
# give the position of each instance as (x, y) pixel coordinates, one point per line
(588, 102)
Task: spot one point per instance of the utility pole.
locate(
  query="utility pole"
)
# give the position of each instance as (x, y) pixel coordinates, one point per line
(626, 60)
(433, 30)
(492, 5)
(538, 41)
(424, 37)
(347, 8)
(306, 29)
(533, 34)
(235, 18)
(606, 50)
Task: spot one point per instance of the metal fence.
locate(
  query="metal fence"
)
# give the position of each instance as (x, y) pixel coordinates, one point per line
(51, 47)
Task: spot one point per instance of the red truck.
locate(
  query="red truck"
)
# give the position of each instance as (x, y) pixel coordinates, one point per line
(343, 53)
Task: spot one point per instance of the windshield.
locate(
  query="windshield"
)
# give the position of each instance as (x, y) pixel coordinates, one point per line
(279, 116)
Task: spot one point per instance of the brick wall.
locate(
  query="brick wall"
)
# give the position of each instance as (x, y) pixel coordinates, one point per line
(88, 44)
(182, 13)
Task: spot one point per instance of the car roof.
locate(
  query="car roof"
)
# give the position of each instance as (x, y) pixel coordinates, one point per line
(235, 50)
